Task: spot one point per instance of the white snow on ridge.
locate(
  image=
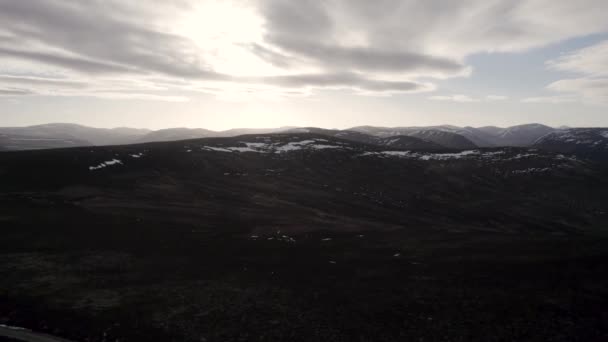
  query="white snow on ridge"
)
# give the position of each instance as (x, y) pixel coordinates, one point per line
(10, 327)
(392, 141)
(105, 164)
(257, 145)
(445, 156)
(217, 149)
(468, 154)
(322, 147)
(317, 144)
(432, 156)
(292, 146)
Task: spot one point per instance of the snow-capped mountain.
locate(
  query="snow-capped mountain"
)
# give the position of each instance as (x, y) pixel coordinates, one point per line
(592, 142)
(488, 136)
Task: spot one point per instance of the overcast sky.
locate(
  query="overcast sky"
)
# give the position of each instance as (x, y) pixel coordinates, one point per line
(332, 63)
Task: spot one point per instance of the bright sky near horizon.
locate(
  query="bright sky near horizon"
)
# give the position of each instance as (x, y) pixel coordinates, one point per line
(221, 64)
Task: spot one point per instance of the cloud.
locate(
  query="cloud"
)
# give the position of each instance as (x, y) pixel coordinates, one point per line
(453, 98)
(588, 89)
(68, 62)
(434, 33)
(370, 60)
(592, 63)
(591, 60)
(136, 96)
(550, 99)
(14, 92)
(467, 98)
(289, 47)
(346, 80)
(97, 37)
(44, 81)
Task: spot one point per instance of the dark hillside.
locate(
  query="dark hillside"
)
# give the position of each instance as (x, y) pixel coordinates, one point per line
(303, 237)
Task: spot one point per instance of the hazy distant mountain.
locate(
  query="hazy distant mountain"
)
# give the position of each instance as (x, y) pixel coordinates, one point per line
(242, 131)
(522, 135)
(444, 138)
(67, 135)
(172, 134)
(18, 142)
(590, 142)
(491, 130)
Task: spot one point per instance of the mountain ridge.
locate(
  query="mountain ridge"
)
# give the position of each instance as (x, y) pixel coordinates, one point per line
(58, 135)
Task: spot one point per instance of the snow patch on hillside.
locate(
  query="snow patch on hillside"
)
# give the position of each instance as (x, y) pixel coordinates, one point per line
(531, 170)
(105, 164)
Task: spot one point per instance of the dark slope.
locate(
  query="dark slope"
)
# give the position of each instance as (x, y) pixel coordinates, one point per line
(336, 176)
(302, 237)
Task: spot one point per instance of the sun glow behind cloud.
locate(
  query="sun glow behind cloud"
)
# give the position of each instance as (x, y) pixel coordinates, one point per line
(223, 30)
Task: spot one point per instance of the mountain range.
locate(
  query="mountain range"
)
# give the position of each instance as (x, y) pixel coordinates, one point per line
(58, 135)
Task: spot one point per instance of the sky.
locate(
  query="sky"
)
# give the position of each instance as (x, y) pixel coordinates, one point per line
(223, 64)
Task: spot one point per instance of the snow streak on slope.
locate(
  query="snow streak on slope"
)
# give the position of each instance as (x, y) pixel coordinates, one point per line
(105, 164)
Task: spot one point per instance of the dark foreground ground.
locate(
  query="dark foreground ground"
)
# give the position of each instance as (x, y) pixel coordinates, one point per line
(175, 248)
